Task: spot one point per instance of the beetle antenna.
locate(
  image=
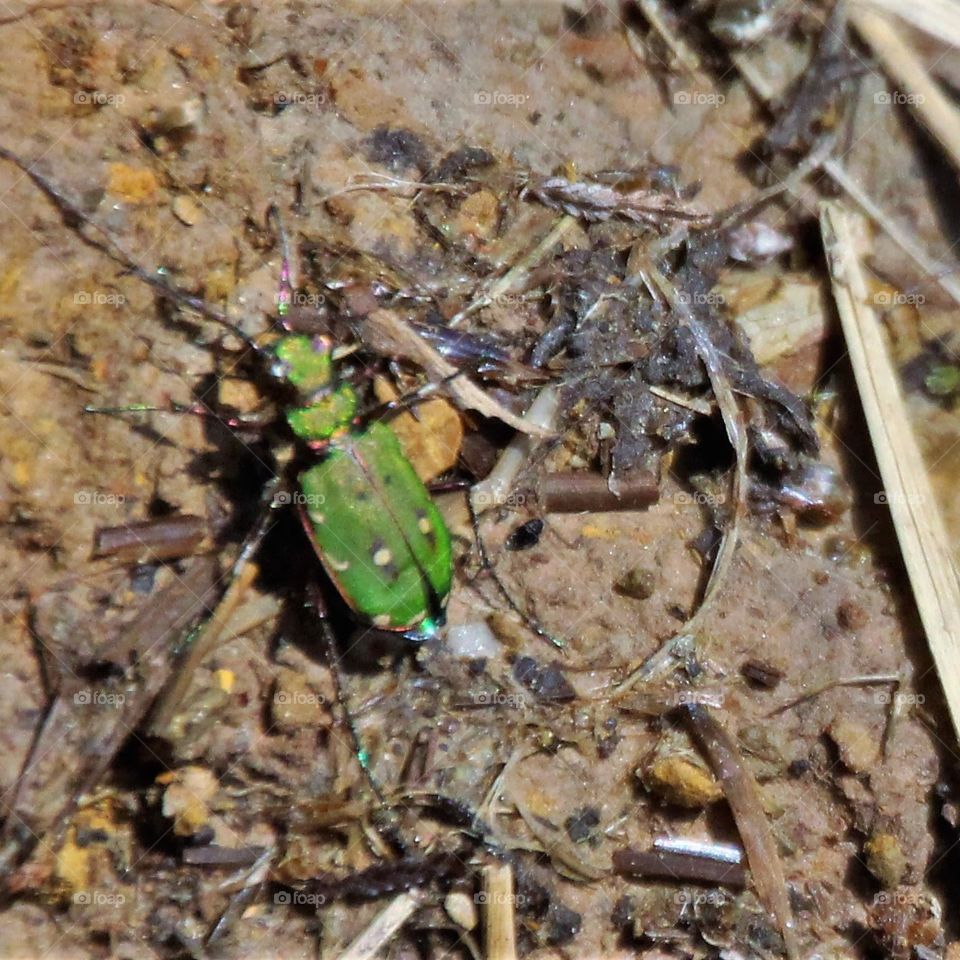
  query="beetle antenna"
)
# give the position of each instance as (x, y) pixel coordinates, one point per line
(287, 285)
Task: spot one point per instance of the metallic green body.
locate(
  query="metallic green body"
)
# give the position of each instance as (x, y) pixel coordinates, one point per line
(375, 528)
(377, 532)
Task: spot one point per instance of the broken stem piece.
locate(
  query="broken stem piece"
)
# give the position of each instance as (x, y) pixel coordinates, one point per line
(743, 796)
(386, 923)
(498, 919)
(496, 488)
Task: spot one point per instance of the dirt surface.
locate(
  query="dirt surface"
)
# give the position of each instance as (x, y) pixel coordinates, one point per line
(175, 130)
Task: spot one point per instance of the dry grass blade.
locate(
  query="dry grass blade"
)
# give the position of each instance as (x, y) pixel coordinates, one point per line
(923, 538)
(904, 67)
(384, 926)
(209, 634)
(397, 336)
(939, 18)
(498, 919)
(743, 795)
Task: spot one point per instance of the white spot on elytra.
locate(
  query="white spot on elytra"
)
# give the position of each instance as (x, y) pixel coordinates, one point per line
(383, 557)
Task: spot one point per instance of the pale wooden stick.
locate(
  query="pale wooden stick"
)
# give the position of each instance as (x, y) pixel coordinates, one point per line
(386, 923)
(939, 18)
(498, 921)
(906, 69)
(923, 539)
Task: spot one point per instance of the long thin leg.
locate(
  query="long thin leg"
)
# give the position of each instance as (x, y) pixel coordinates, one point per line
(333, 656)
(531, 621)
(253, 421)
(393, 407)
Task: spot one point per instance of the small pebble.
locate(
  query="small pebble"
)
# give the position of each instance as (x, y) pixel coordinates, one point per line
(187, 210)
(582, 825)
(472, 641)
(638, 583)
(680, 781)
(525, 536)
(858, 746)
(461, 909)
(761, 673)
(851, 615)
(295, 703)
(885, 859)
(562, 924)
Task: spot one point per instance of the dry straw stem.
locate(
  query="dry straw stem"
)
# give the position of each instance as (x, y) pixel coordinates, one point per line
(939, 18)
(923, 539)
(401, 339)
(211, 631)
(498, 920)
(384, 926)
(908, 241)
(906, 70)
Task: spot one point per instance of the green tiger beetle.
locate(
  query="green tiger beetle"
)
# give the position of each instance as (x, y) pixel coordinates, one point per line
(371, 520)
(375, 528)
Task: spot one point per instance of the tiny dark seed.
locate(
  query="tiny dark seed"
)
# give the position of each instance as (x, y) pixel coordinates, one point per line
(761, 673)
(525, 536)
(637, 583)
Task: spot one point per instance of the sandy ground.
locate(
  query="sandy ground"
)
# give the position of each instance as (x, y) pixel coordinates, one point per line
(291, 96)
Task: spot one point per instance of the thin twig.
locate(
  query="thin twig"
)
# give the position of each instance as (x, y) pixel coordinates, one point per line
(743, 795)
(737, 435)
(386, 923)
(865, 681)
(519, 271)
